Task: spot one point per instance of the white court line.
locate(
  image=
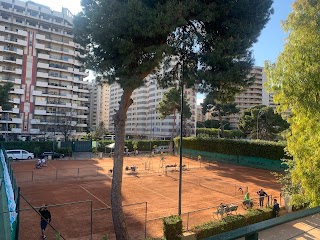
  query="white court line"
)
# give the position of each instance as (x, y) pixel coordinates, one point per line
(148, 189)
(94, 196)
(52, 166)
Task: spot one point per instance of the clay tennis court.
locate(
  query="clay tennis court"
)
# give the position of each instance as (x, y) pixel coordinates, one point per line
(78, 194)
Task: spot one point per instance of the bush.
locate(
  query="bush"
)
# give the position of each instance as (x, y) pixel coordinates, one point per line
(254, 148)
(30, 146)
(232, 222)
(172, 227)
(214, 133)
(210, 229)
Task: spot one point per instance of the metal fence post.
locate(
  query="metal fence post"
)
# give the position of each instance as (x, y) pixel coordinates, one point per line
(18, 214)
(32, 176)
(90, 220)
(188, 221)
(145, 221)
(56, 174)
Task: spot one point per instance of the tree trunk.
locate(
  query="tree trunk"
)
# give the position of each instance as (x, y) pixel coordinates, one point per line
(120, 118)
(221, 123)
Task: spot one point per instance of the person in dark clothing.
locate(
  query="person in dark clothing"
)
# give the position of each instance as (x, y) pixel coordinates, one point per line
(261, 194)
(45, 219)
(275, 208)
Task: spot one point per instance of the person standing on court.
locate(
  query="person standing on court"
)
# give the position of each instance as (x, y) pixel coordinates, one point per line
(45, 219)
(261, 194)
(275, 208)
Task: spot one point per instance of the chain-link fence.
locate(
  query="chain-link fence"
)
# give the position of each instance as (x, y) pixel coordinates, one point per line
(55, 174)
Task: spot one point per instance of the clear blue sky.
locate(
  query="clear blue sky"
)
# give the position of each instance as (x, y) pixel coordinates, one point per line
(271, 40)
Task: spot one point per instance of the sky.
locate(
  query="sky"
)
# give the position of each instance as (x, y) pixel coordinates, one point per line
(269, 44)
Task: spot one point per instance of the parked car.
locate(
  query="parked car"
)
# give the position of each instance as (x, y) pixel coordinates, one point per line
(18, 154)
(53, 154)
(161, 149)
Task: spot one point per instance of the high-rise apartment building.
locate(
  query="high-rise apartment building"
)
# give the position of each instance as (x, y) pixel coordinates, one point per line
(94, 110)
(255, 94)
(105, 104)
(142, 118)
(38, 55)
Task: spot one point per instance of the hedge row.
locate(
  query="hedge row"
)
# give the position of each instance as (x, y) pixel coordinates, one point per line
(253, 148)
(213, 132)
(30, 146)
(232, 222)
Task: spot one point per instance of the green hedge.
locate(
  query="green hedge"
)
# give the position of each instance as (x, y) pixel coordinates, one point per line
(30, 146)
(232, 222)
(172, 227)
(213, 132)
(253, 148)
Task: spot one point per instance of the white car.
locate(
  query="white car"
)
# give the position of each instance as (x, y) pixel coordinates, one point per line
(19, 154)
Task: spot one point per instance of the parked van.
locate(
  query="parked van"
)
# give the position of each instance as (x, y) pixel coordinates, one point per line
(161, 149)
(19, 154)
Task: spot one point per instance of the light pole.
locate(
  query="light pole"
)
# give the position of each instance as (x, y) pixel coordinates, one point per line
(151, 128)
(260, 113)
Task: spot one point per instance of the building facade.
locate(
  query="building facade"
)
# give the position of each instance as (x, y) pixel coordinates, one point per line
(255, 94)
(143, 121)
(38, 56)
(94, 110)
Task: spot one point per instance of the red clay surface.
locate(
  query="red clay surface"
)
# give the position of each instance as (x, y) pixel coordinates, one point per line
(148, 194)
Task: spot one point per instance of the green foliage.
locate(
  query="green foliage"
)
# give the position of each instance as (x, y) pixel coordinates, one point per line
(4, 96)
(99, 132)
(214, 133)
(57, 236)
(262, 122)
(213, 124)
(210, 229)
(263, 149)
(172, 227)
(232, 222)
(294, 79)
(30, 146)
(105, 237)
(37, 151)
(171, 103)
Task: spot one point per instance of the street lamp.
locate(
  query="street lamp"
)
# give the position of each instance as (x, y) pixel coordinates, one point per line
(260, 113)
(151, 128)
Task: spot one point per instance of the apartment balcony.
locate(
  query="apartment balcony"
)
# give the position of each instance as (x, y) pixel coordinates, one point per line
(40, 112)
(16, 120)
(40, 46)
(19, 32)
(15, 110)
(82, 125)
(41, 84)
(18, 91)
(16, 130)
(42, 74)
(35, 131)
(15, 101)
(41, 103)
(43, 65)
(35, 121)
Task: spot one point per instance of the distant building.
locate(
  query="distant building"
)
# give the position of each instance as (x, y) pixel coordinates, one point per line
(254, 95)
(38, 56)
(142, 118)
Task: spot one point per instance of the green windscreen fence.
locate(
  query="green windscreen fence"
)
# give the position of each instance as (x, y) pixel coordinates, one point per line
(9, 202)
(256, 162)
